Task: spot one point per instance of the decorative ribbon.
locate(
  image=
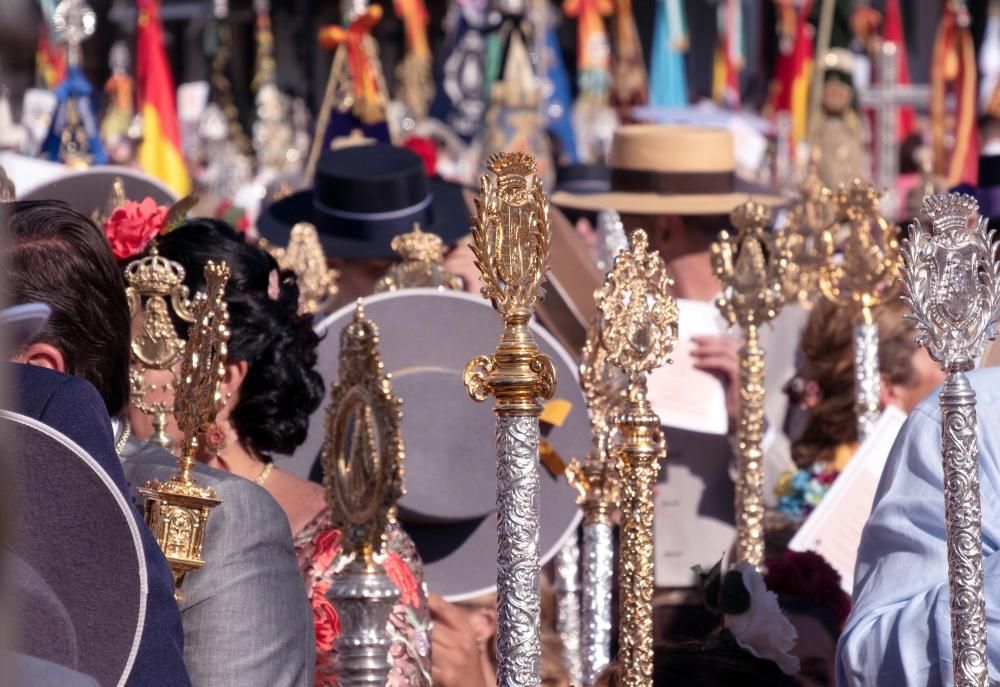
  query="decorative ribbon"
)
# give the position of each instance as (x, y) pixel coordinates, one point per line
(953, 68)
(672, 183)
(593, 52)
(667, 78)
(364, 72)
(730, 57)
(415, 18)
(630, 83)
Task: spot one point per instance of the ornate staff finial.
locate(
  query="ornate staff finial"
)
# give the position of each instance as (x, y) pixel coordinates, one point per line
(363, 477)
(865, 276)
(305, 257)
(751, 269)
(511, 244)
(597, 483)
(74, 21)
(422, 255)
(177, 510)
(802, 236)
(951, 281)
(155, 285)
(638, 323)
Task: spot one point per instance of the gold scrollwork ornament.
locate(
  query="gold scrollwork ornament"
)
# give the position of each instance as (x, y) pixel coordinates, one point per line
(363, 452)
(802, 238)
(305, 257)
(422, 255)
(751, 268)
(177, 510)
(638, 323)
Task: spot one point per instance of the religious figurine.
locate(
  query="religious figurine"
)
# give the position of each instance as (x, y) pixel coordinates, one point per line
(838, 131)
(120, 129)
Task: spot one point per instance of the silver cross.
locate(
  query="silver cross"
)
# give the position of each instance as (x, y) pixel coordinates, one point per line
(74, 21)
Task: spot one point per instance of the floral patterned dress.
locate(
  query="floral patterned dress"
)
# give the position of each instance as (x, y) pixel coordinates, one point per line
(317, 547)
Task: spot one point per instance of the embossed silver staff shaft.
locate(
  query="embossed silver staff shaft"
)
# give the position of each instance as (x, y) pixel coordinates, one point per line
(598, 570)
(363, 599)
(567, 589)
(866, 374)
(518, 598)
(963, 516)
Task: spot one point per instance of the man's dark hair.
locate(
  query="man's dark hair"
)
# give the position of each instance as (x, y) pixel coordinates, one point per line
(57, 256)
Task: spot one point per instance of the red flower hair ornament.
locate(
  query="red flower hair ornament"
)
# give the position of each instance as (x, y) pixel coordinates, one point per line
(132, 225)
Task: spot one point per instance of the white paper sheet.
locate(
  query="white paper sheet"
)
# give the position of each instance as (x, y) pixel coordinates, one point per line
(833, 530)
(681, 395)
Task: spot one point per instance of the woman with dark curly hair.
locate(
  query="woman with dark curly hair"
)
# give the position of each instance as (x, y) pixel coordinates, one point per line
(269, 391)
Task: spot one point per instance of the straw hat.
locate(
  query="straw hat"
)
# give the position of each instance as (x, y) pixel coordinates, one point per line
(671, 170)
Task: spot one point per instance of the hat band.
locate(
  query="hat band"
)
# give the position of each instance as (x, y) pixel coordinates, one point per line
(369, 225)
(672, 183)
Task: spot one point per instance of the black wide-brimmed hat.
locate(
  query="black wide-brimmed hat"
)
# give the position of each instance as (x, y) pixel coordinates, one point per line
(75, 556)
(362, 197)
(449, 509)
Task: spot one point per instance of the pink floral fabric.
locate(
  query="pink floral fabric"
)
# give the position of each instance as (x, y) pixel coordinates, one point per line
(317, 547)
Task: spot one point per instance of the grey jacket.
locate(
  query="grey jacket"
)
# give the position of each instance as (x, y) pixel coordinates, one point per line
(246, 617)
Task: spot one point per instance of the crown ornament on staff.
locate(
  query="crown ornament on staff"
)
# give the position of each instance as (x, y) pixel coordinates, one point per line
(305, 257)
(511, 239)
(638, 325)
(362, 459)
(751, 268)
(865, 277)
(177, 510)
(951, 281)
(422, 266)
(802, 237)
(155, 286)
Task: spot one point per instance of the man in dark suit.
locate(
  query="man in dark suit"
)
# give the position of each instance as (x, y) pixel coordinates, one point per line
(246, 619)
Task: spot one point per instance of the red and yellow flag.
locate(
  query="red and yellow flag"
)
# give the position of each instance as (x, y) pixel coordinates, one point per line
(160, 152)
(794, 74)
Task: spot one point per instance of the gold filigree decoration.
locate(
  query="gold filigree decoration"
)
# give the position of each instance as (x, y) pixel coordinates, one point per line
(422, 256)
(177, 510)
(305, 257)
(751, 269)
(155, 293)
(802, 238)
(638, 327)
(596, 478)
(511, 239)
(116, 198)
(639, 315)
(869, 266)
(363, 450)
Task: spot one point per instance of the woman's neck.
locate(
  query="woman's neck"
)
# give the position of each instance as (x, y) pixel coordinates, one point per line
(236, 458)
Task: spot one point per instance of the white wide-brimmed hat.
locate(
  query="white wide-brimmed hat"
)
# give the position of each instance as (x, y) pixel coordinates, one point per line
(671, 170)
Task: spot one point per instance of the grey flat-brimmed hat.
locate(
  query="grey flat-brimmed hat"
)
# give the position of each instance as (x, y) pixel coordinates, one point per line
(74, 556)
(89, 190)
(449, 509)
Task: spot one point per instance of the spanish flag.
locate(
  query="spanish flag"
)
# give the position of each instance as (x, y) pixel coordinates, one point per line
(793, 74)
(160, 152)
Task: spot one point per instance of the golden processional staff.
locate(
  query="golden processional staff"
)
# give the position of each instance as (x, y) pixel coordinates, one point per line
(363, 477)
(177, 510)
(511, 245)
(596, 481)
(751, 270)
(802, 237)
(638, 325)
(951, 280)
(864, 275)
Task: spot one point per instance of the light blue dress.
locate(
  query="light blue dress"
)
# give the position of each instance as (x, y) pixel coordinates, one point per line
(899, 632)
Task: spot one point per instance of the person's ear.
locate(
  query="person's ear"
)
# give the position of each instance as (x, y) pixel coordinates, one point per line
(236, 372)
(41, 354)
(888, 393)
